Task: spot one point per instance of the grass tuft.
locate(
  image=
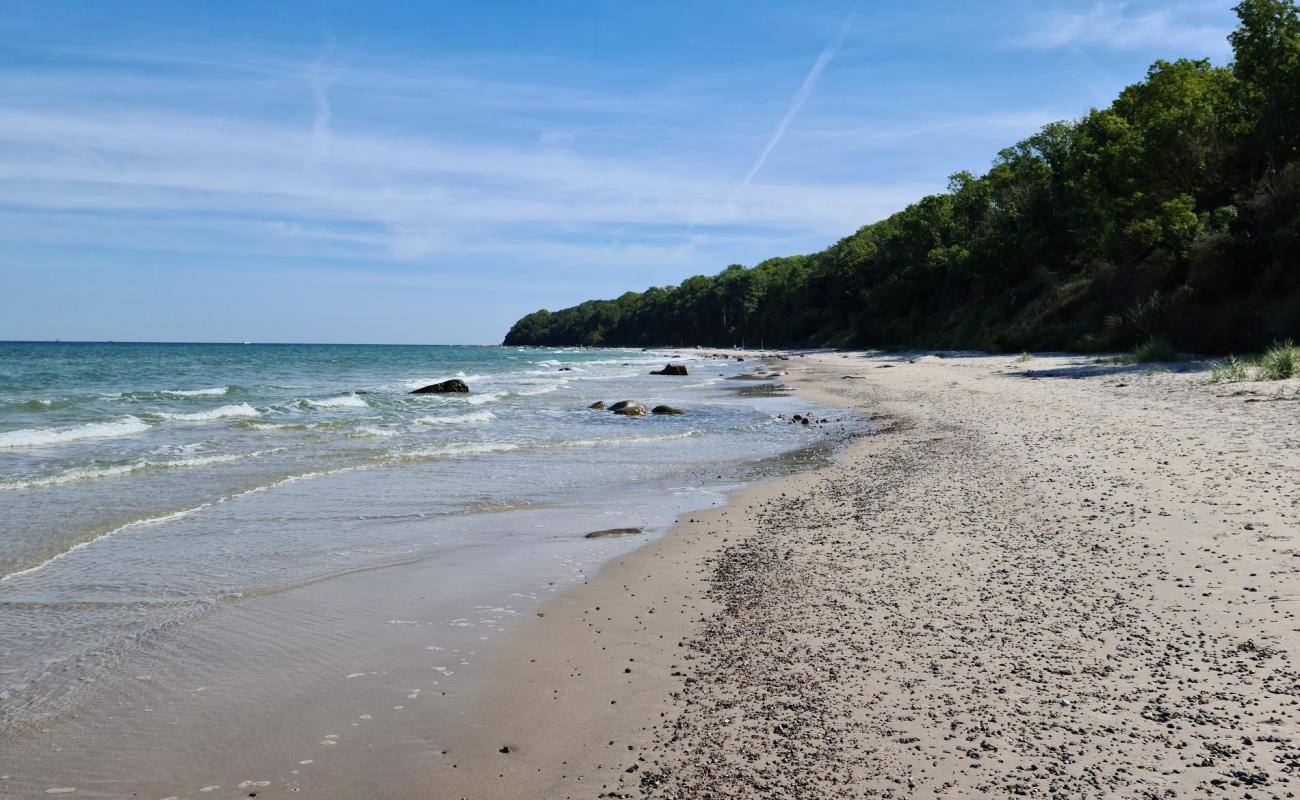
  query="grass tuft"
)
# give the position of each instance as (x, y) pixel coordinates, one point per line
(1153, 350)
(1229, 370)
(1279, 363)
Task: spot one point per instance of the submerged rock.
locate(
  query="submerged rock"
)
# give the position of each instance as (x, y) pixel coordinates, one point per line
(630, 409)
(453, 385)
(598, 404)
(621, 404)
(670, 369)
(613, 532)
(666, 410)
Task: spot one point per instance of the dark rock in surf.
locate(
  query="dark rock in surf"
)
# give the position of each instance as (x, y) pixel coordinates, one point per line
(630, 408)
(599, 404)
(670, 369)
(666, 410)
(446, 387)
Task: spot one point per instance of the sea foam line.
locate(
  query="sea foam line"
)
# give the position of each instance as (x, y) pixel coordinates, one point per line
(342, 401)
(40, 437)
(214, 392)
(83, 473)
(224, 412)
(458, 419)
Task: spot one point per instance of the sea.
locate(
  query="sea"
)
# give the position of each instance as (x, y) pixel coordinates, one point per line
(148, 489)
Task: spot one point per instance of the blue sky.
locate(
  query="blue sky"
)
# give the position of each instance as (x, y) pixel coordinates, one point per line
(337, 171)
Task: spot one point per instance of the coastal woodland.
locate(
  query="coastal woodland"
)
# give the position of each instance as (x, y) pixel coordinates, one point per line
(1171, 216)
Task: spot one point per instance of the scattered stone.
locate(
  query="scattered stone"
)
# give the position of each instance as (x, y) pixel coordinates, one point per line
(670, 369)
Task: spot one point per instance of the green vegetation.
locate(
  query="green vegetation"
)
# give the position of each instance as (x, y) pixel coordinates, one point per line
(1229, 370)
(1155, 350)
(1171, 216)
(1279, 363)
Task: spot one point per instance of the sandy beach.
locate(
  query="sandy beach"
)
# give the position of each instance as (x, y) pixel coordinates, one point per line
(1052, 577)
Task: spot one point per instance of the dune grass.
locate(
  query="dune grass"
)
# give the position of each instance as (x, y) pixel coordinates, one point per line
(1279, 362)
(1155, 350)
(1229, 370)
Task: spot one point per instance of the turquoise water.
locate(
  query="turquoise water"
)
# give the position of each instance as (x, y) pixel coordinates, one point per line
(145, 485)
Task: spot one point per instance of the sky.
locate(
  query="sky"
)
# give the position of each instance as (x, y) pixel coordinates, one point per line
(428, 172)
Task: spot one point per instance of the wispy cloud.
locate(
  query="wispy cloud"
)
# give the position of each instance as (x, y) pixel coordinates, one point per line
(1185, 28)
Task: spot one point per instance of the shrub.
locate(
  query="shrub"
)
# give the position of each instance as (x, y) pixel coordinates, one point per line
(1153, 350)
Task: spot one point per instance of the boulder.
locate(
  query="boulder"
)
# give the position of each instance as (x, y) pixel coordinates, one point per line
(597, 405)
(631, 409)
(621, 404)
(453, 385)
(566, 369)
(666, 410)
(671, 369)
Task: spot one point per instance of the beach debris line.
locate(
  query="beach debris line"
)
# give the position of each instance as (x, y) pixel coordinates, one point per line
(671, 369)
(455, 385)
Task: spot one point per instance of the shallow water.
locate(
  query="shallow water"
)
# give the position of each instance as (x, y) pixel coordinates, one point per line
(164, 505)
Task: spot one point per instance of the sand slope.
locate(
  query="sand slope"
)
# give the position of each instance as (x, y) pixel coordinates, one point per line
(1052, 578)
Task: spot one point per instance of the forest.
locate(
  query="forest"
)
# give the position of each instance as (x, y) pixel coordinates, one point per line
(1171, 216)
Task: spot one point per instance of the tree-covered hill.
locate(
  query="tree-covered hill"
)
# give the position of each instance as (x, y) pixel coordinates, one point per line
(1174, 213)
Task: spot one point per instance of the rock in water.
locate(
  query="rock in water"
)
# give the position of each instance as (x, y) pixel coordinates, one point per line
(622, 404)
(671, 369)
(666, 410)
(613, 532)
(597, 404)
(453, 385)
(630, 409)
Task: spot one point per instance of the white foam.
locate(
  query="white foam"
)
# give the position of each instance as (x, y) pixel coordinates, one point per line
(486, 397)
(342, 401)
(543, 388)
(215, 392)
(372, 432)
(224, 412)
(465, 449)
(458, 419)
(118, 470)
(40, 437)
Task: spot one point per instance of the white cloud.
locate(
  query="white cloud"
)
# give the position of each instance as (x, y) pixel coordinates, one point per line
(1187, 28)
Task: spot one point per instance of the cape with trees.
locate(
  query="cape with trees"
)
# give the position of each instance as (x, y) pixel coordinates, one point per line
(1173, 214)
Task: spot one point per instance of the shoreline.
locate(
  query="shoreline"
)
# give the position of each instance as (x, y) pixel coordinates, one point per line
(1036, 581)
(292, 688)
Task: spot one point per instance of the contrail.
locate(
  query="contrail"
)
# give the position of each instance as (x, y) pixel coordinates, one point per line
(800, 97)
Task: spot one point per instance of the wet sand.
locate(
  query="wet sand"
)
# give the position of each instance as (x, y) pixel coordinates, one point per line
(1045, 578)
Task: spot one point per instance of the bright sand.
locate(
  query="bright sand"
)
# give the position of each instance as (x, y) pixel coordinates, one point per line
(1052, 577)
